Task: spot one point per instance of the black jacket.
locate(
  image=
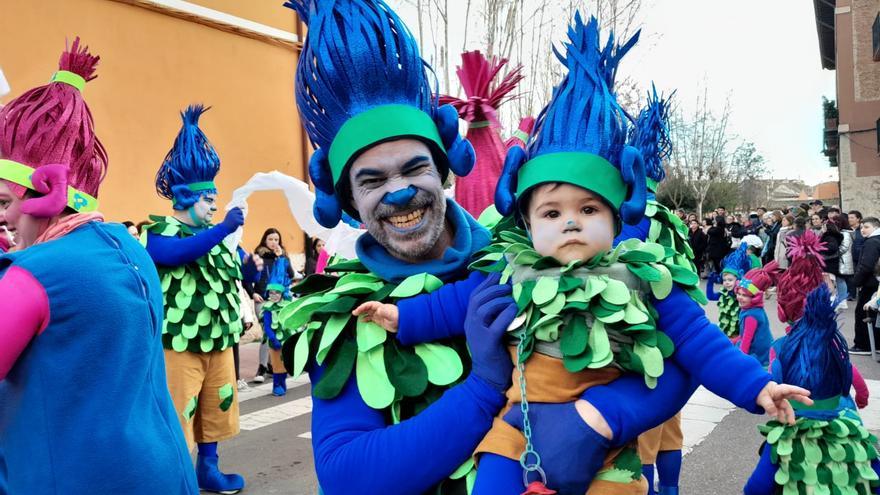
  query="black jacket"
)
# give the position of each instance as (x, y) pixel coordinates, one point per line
(864, 273)
(697, 240)
(717, 246)
(831, 253)
(772, 233)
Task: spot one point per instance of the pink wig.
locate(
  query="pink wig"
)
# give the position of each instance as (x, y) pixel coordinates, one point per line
(52, 124)
(803, 275)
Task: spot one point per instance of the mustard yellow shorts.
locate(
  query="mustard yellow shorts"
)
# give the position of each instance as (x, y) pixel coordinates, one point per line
(667, 436)
(204, 392)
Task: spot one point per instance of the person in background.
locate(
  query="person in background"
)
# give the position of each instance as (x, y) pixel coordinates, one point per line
(315, 247)
(698, 241)
(716, 244)
(773, 222)
(816, 223)
(833, 240)
(833, 212)
(854, 218)
(847, 268)
(271, 250)
(864, 279)
(132, 229)
(779, 252)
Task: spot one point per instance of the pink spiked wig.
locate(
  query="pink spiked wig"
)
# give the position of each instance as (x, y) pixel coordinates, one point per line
(802, 277)
(52, 125)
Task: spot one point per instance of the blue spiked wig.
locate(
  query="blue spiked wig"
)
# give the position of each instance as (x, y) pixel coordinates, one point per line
(651, 136)
(814, 354)
(580, 136)
(361, 82)
(737, 263)
(189, 168)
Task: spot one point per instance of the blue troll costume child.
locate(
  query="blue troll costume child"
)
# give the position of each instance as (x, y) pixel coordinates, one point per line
(660, 446)
(827, 450)
(199, 278)
(277, 298)
(582, 321)
(84, 406)
(391, 416)
(735, 265)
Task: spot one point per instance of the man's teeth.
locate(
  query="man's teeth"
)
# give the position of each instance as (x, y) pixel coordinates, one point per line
(406, 221)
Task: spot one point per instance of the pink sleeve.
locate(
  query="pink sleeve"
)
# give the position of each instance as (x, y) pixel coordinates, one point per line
(749, 326)
(24, 307)
(861, 388)
(772, 358)
(323, 257)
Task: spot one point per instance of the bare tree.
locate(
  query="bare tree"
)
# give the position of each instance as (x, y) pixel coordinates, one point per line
(699, 149)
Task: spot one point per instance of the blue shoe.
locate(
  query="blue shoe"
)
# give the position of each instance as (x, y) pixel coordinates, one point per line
(212, 480)
(668, 490)
(280, 384)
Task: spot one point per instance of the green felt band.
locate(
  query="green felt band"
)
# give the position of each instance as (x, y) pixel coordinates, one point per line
(730, 271)
(69, 78)
(20, 174)
(275, 287)
(828, 404)
(479, 125)
(376, 125)
(202, 186)
(652, 185)
(521, 135)
(585, 170)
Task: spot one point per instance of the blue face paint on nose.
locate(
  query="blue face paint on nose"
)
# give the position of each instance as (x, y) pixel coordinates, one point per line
(401, 197)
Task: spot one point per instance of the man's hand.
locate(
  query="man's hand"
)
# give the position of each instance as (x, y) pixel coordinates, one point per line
(774, 399)
(258, 298)
(384, 315)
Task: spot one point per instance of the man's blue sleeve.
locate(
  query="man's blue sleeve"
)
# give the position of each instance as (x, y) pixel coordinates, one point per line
(438, 315)
(710, 291)
(175, 251)
(762, 482)
(631, 408)
(357, 452)
(705, 352)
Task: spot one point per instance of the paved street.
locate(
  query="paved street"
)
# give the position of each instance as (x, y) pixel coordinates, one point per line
(274, 454)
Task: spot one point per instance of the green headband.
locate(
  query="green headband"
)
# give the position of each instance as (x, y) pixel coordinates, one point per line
(379, 124)
(652, 184)
(275, 287)
(69, 78)
(577, 168)
(20, 174)
(202, 186)
(731, 271)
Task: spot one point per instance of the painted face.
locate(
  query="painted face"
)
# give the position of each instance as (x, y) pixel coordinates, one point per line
(569, 222)
(274, 296)
(24, 229)
(202, 212)
(272, 241)
(728, 281)
(397, 190)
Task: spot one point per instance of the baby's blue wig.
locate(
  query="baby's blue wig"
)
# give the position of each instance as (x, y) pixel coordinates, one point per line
(651, 136)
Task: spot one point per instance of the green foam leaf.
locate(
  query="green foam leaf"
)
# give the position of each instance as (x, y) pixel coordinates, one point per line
(369, 335)
(545, 290)
(227, 395)
(411, 286)
(334, 326)
(443, 363)
(372, 378)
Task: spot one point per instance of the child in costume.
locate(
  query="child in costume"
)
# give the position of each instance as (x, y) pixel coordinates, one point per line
(754, 246)
(735, 265)
(827, 450)
(202, 322)
(84, 406)
(585, 314)
(278, 296)
(754, 336)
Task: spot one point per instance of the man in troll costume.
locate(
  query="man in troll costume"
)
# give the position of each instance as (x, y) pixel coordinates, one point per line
(202, 322)
(391, 415)
(474, 192)
(77, 289)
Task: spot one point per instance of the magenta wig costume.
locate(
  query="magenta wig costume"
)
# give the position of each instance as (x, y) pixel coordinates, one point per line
(52, 125)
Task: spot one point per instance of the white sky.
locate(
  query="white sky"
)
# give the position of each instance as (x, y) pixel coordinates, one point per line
(763, 54)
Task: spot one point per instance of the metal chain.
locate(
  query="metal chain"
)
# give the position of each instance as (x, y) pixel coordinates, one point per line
(534, 467)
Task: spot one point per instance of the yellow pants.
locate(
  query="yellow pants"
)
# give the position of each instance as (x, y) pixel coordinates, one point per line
(204, 392)
(667, 436)
(548, 381)
(277, 362)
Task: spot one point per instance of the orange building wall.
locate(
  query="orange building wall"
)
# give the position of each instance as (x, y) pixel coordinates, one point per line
(152, 66)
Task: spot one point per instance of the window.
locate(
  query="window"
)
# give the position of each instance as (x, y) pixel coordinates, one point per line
(876, 35)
